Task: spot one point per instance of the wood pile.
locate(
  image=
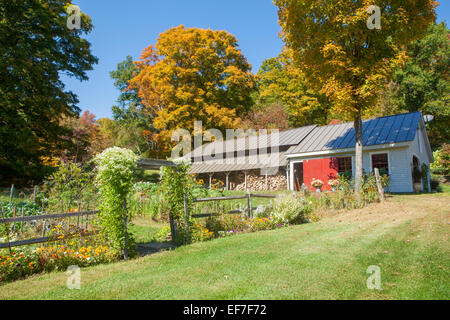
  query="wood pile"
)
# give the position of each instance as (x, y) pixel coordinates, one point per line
(258, 183)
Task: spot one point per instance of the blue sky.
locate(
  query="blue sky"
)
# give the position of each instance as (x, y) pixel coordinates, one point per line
(124, 28)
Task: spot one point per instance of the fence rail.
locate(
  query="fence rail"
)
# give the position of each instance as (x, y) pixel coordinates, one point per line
(249, 208)
(48, 216)
(41, 240)
(44, 239)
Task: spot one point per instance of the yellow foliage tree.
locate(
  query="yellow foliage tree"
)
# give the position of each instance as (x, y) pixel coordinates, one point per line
(193, 74)
(348, 48)
(280, 80)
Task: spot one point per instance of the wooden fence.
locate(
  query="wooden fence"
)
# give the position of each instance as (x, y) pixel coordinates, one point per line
(249, 208)
(43, 238)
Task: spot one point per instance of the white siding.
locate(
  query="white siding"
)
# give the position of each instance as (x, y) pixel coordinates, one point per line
(399, 168)
(400, 162)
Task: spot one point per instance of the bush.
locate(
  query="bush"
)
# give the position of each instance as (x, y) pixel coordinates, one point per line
(226, 225)
(263, 211)
(344, 197)
(116, 173)
(441, 165)
(162, 234)
(70, 186)
(291, 210)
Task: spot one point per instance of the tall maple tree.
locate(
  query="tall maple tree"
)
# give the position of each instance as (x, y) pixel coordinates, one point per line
(346, 60)
(194, 74)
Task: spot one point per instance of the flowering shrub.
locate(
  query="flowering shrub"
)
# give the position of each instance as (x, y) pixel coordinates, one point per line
(291, 210)
(344, 197)
(200, 233)
(263, 211)
(20, 264)
(116, 172)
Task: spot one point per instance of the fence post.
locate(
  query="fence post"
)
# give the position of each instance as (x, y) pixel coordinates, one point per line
(35, 193)
(249, 204)
(14, 216)
(173, 228)
(21, 223)
(125, 249)
(11, 194)
(379, 185)
(186, 217)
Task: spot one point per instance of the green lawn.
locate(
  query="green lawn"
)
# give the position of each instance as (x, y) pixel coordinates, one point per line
(407, 237)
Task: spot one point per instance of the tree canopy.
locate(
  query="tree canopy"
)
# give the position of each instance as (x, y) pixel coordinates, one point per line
(279, 80)
(133, 126)
(194, 74)
(424, 84)
(36, 48)
(344, 58)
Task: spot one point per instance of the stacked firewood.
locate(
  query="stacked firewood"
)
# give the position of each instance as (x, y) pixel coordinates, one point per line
(258, 183)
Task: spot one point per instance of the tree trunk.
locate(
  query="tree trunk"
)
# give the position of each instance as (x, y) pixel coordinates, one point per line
(358, 155)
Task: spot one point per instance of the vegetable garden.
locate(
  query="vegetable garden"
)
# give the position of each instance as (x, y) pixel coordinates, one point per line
(84, 216)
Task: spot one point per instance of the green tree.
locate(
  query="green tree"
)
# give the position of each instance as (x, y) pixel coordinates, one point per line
(347, 56)
(133, 124)
(423, 84)
(280, 81)
(36, 47)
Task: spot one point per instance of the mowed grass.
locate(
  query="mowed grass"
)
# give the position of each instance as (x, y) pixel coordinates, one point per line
(407, 237)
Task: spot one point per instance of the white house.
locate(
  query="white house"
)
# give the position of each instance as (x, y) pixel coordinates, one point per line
(394, 144)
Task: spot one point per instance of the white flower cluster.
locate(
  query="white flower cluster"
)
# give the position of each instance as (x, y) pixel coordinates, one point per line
(115, 165)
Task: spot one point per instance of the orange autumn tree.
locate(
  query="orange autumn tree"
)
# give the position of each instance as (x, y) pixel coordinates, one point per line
(193, 74)
(348, 49)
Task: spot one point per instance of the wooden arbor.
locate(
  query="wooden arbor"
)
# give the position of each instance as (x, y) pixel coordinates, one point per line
(149, 164)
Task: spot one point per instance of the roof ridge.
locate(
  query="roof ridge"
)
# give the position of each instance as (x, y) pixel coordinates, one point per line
(368, 119)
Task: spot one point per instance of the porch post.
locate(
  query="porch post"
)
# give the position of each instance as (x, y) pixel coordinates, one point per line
(227, 185)
(210, 180)
(245, 181)
(287, 177)
(267, 182)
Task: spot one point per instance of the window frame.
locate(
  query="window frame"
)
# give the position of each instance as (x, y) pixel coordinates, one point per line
(388, 161)
(338, 169)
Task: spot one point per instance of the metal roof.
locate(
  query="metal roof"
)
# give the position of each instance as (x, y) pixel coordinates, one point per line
(284, 138)
(390, 129)
(273, 160)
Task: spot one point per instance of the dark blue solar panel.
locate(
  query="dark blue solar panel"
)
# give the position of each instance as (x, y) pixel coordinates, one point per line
(410, 123)
(383, 130)
(386, 130)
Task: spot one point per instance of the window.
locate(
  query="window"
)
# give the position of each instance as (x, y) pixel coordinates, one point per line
(344, 165)
(380, 161)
